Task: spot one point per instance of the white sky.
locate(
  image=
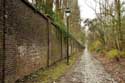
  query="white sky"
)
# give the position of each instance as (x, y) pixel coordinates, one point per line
(85, 9)
(30, 1)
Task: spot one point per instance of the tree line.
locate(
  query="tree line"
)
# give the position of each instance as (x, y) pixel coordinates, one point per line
(107, 31)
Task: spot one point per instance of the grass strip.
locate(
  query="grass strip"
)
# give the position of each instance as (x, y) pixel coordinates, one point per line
(52, 73)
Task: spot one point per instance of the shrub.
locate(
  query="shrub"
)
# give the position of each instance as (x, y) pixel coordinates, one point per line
(112, 54)
(96, 46)
(122, 54)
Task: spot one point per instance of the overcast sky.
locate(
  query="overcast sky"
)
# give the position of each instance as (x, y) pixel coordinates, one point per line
(85, 9)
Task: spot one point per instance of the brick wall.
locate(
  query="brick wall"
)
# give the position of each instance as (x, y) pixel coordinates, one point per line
(27, 40)
(32, 41)
(1, 39)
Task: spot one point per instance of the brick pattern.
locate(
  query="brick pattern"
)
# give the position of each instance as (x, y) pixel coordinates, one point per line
(29, 40)
(1, 40)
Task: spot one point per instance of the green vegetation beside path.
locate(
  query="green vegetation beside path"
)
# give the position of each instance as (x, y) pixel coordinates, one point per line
(52, 73)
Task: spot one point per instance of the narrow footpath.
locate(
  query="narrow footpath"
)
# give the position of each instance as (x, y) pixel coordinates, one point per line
(87, 70)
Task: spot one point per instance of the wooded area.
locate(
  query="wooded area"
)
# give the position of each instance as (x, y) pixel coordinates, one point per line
(107, 31)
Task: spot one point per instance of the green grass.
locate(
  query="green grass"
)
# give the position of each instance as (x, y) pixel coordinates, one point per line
(52, 73)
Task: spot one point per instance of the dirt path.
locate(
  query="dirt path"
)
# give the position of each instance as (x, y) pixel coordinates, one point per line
(87, 70)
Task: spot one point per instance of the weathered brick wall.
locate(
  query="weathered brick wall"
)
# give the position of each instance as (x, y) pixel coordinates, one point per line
(1, 39)
(55, 45)
(64, 47)
(26, 40)
(32, 41)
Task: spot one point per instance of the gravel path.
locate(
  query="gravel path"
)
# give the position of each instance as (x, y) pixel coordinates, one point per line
(87, 70)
